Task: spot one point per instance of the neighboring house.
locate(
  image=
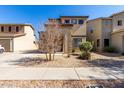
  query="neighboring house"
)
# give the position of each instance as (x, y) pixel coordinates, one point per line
(107, 32)
(73, 28)
(117, 34)
(17, 37)
(99, 33)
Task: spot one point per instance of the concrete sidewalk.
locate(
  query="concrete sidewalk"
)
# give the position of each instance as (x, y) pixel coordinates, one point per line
(83, 73)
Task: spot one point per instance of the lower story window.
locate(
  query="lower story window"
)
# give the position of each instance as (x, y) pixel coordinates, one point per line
(76, 42)
(106, 42)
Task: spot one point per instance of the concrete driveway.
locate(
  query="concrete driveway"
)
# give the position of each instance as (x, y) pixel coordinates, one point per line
(8, 59)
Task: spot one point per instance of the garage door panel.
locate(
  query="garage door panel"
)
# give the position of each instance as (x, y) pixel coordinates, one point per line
(6, 44)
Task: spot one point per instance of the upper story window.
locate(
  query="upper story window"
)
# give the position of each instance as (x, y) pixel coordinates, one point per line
(17, 29)
(80, 21)
(107, 22)
(67, 21)
(2, 28)
(119, 22)
(74, 21)
(10, 29)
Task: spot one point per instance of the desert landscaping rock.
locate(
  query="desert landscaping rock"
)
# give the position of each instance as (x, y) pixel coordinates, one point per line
(60, 83)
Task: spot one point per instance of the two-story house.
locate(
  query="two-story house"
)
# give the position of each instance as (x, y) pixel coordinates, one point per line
(17, 37)
(73, 28)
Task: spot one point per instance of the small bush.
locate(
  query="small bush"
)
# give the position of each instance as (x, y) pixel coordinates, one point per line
(73, 50)
(85, 55)
(87, 46)
(110, 49)
(85, 49)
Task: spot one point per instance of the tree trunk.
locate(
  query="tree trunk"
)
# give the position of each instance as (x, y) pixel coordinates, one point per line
(53, 56)
(46, 57)
(49, 56)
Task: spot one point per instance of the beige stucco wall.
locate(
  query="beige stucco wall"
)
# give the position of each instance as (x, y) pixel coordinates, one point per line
(80, 30)
(26, 42)
(118, 32)
(106, 30)
(96, 26)
(67, 40)
(118, 42)
(101, 30)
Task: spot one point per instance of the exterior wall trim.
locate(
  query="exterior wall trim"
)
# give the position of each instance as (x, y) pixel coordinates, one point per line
(117, 31)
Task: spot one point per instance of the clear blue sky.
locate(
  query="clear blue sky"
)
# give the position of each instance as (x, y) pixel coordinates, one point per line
(36, 14)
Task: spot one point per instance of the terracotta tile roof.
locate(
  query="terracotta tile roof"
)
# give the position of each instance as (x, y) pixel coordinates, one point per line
(74, 16)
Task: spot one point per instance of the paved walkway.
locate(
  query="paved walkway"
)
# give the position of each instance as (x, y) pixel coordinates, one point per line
(86, 73)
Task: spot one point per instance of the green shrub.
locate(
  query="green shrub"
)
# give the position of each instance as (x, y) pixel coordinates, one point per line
(85, 55)
(85, 48)
(110, 49)
(73, 50)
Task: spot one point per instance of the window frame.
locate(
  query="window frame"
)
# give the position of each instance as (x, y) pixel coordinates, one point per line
(2, 28)
(9, 28)
(119, 22)
(80, 20)
(17, 28)
(76, 42)
(74, 21)
(65, 21)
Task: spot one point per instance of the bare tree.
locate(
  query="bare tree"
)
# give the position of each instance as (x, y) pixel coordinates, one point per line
(51, 39)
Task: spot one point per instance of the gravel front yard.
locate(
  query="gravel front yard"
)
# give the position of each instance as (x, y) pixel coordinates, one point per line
(60, 84)
(59, 61)
(72, 61)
